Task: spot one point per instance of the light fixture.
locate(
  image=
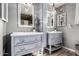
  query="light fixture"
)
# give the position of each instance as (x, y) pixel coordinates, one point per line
(29, 4)
(53, 11)
(54, 8)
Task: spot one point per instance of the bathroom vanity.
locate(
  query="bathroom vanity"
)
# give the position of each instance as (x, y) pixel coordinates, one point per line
(54, 40)
(23, 43)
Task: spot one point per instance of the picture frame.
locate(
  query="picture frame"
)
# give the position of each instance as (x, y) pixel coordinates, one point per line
(61, 19)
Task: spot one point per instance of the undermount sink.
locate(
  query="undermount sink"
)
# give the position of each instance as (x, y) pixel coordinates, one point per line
(54, 31)
(25, 33)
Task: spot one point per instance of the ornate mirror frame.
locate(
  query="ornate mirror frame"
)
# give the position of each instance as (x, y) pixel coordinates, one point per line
(19, 16)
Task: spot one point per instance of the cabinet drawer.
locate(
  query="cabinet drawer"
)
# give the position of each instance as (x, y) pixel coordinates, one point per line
(55, 35)
(25, 49)
(54, 38)
(55, 41)
(26, 39)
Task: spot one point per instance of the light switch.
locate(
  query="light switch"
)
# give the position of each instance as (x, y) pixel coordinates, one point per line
(69, 26)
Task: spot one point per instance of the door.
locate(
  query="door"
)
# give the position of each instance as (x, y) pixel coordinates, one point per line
(1, 39)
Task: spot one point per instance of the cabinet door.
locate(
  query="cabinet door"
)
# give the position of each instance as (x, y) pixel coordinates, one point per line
(20, 40)
(55, 38)
(1, 35)
(26, 49)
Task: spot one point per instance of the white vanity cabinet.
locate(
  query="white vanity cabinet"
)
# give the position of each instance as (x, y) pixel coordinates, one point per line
(4, 11)
(54, 40)
(25, 44)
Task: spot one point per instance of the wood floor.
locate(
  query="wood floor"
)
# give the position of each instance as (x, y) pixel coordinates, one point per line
(60, 52)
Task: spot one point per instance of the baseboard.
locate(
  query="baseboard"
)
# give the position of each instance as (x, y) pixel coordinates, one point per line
(69, 49)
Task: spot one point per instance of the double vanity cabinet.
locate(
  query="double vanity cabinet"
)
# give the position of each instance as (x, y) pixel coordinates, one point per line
(23, 43)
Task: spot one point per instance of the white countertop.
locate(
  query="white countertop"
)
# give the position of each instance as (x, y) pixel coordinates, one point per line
(54, 31)
(25, 33)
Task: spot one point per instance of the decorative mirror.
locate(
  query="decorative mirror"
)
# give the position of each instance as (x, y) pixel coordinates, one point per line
(25, 15)
(51, 16)
(61, 19)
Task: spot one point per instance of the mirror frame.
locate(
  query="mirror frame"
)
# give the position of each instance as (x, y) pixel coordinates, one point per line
(19, 18)
(54, 20)
(48, 19)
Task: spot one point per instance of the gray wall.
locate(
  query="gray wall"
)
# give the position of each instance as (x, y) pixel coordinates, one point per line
(12, 25)
(71, 34)
(4, 33)
(39, 16)
(4, 28)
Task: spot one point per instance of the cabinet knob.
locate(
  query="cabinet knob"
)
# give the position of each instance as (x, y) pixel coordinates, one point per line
(22, 40)
(22, 48)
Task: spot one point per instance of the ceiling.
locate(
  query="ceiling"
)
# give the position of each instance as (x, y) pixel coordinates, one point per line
(59, 4)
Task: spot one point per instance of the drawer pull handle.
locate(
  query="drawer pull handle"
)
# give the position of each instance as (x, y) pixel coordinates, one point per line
(22, 40)
(22, 48)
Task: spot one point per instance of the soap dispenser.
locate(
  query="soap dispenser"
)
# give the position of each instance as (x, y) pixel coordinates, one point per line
(55, 29)
(33, 29)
